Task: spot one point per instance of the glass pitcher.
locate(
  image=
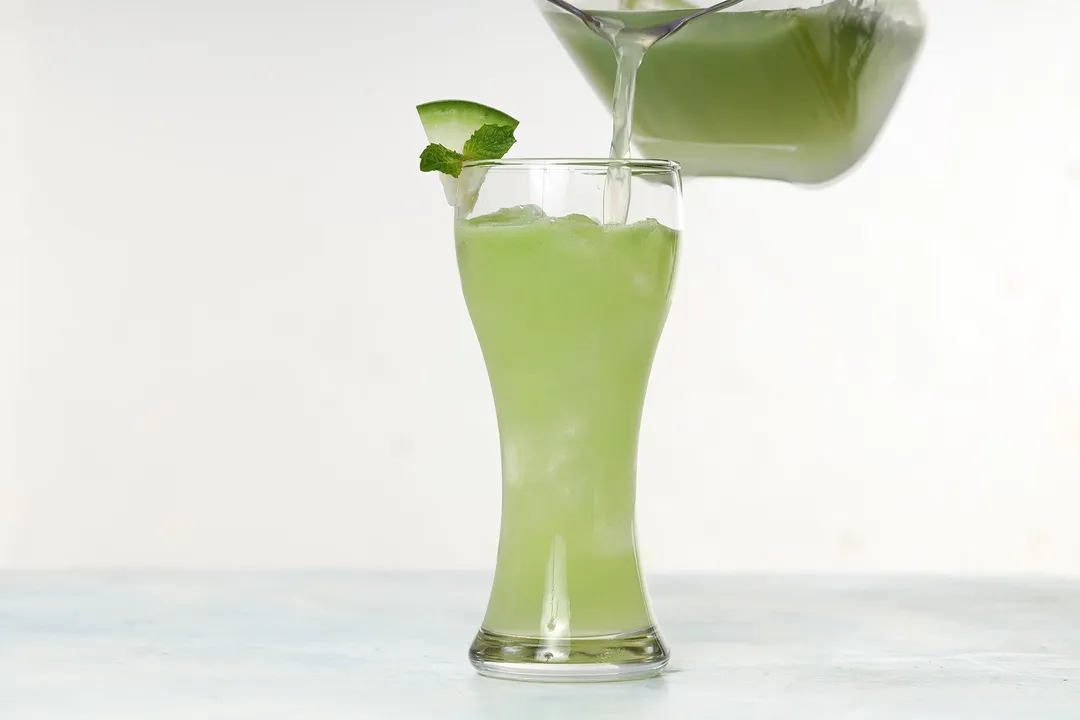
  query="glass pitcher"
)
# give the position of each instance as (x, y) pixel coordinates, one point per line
(793, 90)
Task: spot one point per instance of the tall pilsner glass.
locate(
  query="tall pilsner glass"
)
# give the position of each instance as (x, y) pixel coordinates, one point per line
(568, 311)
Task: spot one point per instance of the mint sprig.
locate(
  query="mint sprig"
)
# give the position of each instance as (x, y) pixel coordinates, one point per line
(442, 159)
(489, 142)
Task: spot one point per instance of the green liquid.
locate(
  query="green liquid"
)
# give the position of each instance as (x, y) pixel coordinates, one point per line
(568, 314)
(796, 95)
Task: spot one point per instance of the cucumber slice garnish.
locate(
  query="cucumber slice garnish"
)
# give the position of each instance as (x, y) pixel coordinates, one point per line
(458, 131)
(451, 123)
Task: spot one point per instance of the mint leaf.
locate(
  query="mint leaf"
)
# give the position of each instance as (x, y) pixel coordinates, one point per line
(489, 142)
(442, 159)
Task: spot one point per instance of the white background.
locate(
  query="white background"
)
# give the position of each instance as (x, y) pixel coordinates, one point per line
(231, 331)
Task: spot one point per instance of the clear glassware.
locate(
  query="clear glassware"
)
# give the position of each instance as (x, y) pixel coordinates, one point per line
(568, 312)
(794, 90)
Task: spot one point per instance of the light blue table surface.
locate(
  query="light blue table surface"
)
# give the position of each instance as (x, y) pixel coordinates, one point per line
(342, 644)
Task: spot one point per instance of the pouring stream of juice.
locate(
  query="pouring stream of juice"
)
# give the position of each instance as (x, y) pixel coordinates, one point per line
(629, 51)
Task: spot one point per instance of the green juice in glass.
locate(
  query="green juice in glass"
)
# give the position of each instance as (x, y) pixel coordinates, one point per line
(568, 313)
(797, 95)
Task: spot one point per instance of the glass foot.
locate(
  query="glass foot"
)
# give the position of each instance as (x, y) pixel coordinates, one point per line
(601, 658)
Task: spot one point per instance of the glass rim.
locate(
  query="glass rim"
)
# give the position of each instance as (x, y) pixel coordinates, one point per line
(633, 164)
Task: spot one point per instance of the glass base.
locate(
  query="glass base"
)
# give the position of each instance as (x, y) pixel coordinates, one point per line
(602, 658)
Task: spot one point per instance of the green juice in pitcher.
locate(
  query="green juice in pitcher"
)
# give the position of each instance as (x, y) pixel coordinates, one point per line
(796, 95)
